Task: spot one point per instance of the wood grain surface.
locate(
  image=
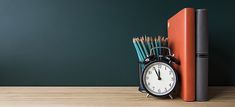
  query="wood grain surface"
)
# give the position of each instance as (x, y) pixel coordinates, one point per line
(104, 97)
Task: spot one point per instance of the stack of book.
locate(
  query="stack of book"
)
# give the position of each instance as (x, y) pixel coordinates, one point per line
(188, 40)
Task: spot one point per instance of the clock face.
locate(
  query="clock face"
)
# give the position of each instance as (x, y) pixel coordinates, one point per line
(159, 78)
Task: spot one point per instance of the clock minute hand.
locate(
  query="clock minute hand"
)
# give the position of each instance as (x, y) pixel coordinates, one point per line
(156, 71)
(159, 78)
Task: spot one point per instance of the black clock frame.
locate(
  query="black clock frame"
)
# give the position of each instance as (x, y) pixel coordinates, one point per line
(167, 60)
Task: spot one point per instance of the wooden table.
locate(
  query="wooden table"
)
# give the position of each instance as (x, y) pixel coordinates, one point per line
(103, 97)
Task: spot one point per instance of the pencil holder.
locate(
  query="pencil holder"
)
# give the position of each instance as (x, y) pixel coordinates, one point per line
(141, 67)
(140, 71)
(143, 46)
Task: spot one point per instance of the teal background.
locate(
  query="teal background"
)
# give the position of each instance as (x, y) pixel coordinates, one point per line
(89, 42)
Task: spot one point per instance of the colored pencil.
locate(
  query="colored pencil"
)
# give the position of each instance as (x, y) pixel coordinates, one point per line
(137, 50)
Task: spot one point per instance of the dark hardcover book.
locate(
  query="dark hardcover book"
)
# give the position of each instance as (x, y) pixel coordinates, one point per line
(201, 55)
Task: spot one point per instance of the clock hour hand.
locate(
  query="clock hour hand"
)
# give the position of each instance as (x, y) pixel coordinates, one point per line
(158, 73)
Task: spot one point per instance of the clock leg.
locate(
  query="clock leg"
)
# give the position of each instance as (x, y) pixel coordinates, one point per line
(171, 96)
(147, 95)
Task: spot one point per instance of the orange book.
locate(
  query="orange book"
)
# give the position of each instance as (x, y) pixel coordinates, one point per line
(181, 39)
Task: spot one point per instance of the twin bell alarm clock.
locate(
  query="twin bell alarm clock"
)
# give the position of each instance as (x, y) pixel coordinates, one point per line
(159, 77)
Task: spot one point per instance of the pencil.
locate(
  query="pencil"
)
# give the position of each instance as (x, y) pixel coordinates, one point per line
(140, 48)
(159, 45)
(166, 42)
(143, 45)
(151, 40)
(148, 43)
(155, 41)
(137, 50)
(163, 45)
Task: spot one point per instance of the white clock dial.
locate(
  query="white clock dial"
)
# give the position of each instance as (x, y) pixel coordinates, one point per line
(159, 78)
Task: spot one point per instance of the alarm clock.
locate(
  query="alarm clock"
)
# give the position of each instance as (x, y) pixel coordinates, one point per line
(159, 77)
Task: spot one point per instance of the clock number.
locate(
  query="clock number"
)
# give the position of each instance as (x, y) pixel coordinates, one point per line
(153, 88)
(150, 72)
(165, 90)
(165, 68)
(148, 83)
(147, 77)
(169, 72)
(172, 79)
(170, 84)
(159, 66)
(159, 91)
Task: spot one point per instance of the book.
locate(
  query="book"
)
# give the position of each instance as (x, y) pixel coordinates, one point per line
(181, 40)
(201, 55)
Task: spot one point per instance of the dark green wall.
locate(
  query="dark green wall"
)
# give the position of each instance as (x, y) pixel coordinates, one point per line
(88, 42)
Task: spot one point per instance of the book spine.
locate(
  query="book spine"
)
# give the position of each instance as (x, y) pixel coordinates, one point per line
(189, 91)
(201, 55)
